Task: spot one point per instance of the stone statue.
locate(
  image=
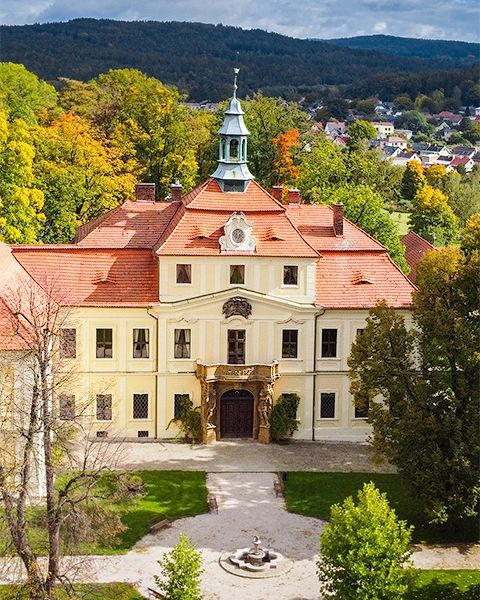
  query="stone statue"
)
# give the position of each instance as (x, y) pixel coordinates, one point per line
(265, 404)
(211, 406)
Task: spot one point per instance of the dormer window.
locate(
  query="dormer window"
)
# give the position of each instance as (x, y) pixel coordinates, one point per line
(184, 273)
(237, 274)
(290, 275)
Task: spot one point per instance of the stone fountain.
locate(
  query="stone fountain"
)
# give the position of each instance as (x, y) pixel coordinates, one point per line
(255, 561)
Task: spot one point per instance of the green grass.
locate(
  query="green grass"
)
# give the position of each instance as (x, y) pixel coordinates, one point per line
(462, 578)
(401, 220)
(313, 494)
(168, 494)
(94, 591)
(445, 585)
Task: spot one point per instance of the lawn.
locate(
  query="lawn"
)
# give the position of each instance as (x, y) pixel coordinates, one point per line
(168, 494)
(97, 591)
(445, 585)
(401, 220)
(313, 494)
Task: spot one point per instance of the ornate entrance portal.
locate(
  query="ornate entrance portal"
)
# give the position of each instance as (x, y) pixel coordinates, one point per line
(236, 414)
(237, 400)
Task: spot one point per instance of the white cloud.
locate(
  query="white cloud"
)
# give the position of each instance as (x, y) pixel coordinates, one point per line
(447, 19)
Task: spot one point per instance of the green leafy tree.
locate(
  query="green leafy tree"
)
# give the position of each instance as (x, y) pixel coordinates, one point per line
(413, 180)
(181, 571)
(21, 200)
(433, 218)
(427, 377)
(321, 170)
(284, 417)
(363, 550)
(361, 131)
(23, 95)
(268, 118)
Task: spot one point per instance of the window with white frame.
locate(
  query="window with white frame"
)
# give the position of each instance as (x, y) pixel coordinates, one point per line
(184, 273)
(290, 343)
(140, 406)
(361, 411)
(141, 343)
(104, 343)
(182, 343)
(329, 343)
(290, 275)
(179, 403)
(327, 405)
(66, 407)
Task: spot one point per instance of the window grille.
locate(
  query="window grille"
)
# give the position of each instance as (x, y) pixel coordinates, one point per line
(140, 406)
(237, 274)
(290, 275)
(182, 343)
(329, 343)
(142, 434)
(361, 412)
(141, 343)
(104, 407)
(179, 403)
(68, 343)
(104, 343)
(236, 346)
(66, 407)
(327, 405)
(289, 343)
(184, 273)
(102, 434)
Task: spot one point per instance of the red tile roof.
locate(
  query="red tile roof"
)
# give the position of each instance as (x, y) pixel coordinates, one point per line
(360, 280)
(132, 225)
(415, 248)
(93, 277)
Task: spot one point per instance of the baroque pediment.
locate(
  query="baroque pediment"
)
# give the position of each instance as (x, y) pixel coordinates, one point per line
(238, 235)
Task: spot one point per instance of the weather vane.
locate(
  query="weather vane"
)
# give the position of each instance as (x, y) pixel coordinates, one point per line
(236, 71)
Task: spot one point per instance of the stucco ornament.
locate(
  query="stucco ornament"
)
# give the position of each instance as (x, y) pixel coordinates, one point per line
(238, 235)
(237, 306)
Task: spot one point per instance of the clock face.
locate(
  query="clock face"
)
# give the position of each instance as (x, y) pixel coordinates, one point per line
(238, 236)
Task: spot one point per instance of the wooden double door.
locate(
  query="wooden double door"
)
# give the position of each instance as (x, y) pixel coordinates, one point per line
(236, 414)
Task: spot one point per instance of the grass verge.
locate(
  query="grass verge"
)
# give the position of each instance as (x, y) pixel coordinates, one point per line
(94, 591)
(313, 494)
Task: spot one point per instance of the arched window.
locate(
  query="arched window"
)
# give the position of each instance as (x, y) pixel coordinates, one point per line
(222, 148)
(244, 149)
(234, 149)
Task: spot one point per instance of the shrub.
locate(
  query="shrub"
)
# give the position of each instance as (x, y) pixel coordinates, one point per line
(181, 569)
(284, 417)
(363, 550)
(189, 420)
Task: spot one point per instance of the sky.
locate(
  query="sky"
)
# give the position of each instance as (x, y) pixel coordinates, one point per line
(438, 19)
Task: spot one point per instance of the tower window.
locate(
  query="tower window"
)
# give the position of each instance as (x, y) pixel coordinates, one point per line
(234, 149)
(230, 185)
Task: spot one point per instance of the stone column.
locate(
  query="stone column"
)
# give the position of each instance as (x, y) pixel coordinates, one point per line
(264, 410)
(208, 411)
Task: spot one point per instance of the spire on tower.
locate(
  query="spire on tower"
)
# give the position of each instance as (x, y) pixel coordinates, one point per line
(236, 71)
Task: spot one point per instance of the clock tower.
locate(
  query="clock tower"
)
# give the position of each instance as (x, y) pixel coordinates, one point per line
(232, 173)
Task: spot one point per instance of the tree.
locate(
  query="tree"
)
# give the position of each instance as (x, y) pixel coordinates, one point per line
(23, 95)
(80, 175)
(21, 200)
(321, 169)
(284, 164)
(181, 570)
(363, 550)
(432, 217)
(267, 119)
(427, 380)
(284, 417)
(41, 438)
(413, 180)
(361, 131)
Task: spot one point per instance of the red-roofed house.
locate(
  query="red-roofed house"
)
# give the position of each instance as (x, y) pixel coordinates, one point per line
(415, 248)
(224, 295)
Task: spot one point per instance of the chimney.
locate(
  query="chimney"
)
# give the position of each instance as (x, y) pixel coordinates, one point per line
(175, 191)
(338, 219)
(277, 192)
(145, 192)
(293, 197)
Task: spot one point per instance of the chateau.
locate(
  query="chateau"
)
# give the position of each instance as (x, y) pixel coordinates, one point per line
(226, 295)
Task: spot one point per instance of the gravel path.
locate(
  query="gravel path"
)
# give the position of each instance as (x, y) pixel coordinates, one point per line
(247, 506)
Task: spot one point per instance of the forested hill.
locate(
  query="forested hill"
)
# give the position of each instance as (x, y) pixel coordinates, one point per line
(449, 52)
(198, 58)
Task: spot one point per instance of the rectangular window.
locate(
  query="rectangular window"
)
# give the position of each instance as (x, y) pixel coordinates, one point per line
(184, 273)
(360, 332)
(327, 405)
(237, 274)
(104, 343)
(361, 412)
(68, 343)
(290, 275)
(143, 434)
(140, 343)
(289, 343)
(104, 407)
(329, 343)
(179, 401)
(66, 407)
(140, 406)
(236, 346)
(182, 343)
